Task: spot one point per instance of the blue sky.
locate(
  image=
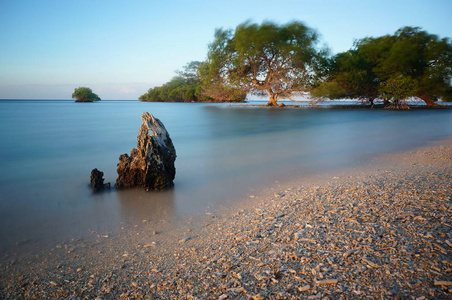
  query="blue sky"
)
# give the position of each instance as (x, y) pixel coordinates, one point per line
(122, 48)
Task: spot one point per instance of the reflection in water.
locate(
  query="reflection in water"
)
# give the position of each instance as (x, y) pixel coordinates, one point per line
(222, 152)
(137, 205)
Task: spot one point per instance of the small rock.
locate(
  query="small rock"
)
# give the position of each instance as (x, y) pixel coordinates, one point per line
(298, 235)
(304, 288)
(327, 281)
(97, 181)
(185, 239)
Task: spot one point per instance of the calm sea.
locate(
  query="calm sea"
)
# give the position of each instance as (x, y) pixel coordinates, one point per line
(48, 149)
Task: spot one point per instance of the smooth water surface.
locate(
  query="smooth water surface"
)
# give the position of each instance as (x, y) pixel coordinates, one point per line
(49, 148)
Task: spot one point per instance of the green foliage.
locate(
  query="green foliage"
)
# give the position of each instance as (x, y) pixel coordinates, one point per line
(410, 63)
(215, 87)
(398, 87)
(182, 88)
(278, 59)
(329, 89)
(84, 94)
(353, 73)
(191, 86)
(190, 73)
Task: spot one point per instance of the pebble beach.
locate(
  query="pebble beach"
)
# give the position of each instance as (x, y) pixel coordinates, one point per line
(380, 231)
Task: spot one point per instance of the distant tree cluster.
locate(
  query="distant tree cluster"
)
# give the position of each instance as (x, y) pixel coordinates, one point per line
(188, 86)
(84, 94)
(285, 60)
(182, 88)
(409, 63)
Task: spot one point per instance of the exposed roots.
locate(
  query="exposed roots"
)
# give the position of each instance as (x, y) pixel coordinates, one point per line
(398, 106)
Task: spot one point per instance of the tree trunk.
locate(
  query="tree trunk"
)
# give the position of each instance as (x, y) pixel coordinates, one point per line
(428, 101)
(273, 99)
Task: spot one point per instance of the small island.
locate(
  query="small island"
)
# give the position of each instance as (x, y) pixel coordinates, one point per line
(84, 94)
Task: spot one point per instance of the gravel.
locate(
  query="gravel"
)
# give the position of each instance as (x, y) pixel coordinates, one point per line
(383, 231)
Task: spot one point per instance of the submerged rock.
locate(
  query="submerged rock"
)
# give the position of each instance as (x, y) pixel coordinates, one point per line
(97, 180)
(151, 164)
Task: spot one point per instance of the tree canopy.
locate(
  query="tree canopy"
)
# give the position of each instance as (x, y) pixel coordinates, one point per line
(279, 60)
(409, 63)
(84, 94)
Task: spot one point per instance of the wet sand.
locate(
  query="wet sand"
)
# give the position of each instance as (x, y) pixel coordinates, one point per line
(380, 231)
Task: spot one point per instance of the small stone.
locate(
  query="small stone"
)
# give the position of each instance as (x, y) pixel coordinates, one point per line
(327, 281)
(304, 288)
(185, 239)
(298, 235)
(237, 290)
(370, 263)
(443, 282)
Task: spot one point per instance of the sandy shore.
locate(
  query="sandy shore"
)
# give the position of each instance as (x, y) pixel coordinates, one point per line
(383, 231)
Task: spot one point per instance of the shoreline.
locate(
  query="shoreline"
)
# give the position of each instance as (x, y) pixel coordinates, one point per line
(382, 230)
(342, 106)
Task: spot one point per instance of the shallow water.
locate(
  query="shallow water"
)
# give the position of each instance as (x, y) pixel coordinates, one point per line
(49, 148)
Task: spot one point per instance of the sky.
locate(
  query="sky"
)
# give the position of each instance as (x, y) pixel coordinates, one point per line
(120, 49)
